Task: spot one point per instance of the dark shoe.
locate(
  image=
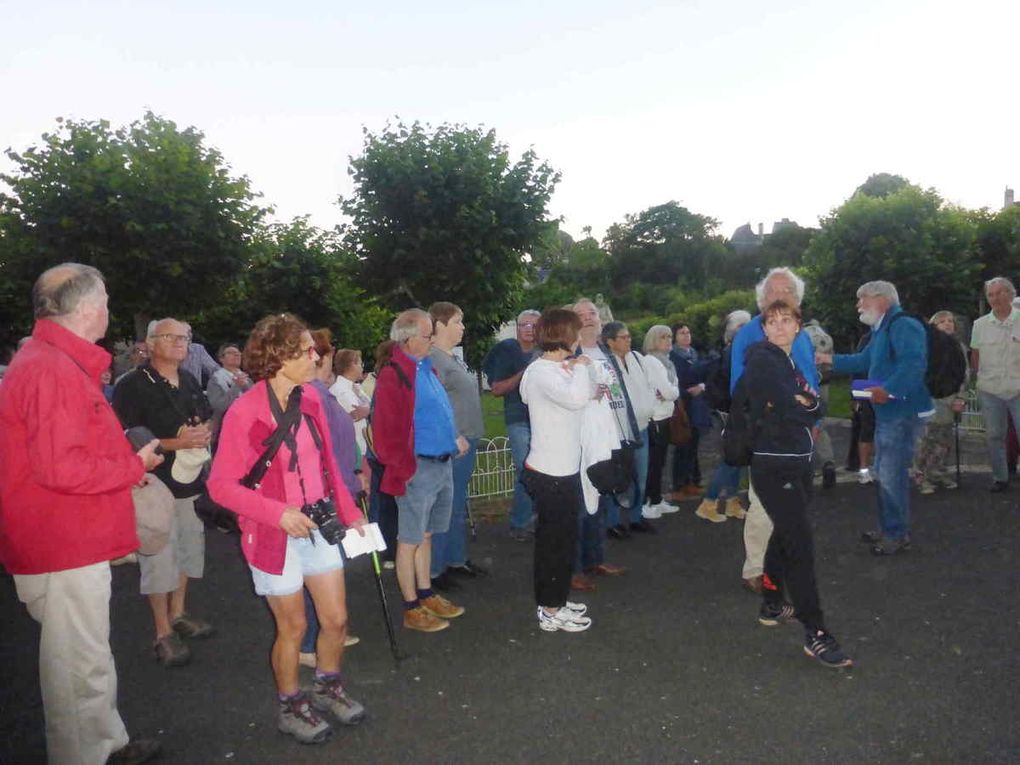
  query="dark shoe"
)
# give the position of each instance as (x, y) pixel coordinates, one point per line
(753, 584)
(192, 627)
(135, 753)
(772, 614)
(828, 475)
(444, 582)
(581, 583)
(521, 535)
(871, 537)
(469, 570)
(998, 487)
(643, 527)
(171, 651)
(606, 569)
(891, 546)
(618, 532)
(823, 646)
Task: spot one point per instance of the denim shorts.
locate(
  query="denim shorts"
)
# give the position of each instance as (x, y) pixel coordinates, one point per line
(303, 559)
(427, 502)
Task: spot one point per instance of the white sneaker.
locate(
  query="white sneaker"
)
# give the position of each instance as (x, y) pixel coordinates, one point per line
(665, 508)
(564, 619)
(650, 511)
(576, 608)
(864, 477)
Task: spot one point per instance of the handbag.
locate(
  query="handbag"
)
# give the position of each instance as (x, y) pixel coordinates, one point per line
(679, 425)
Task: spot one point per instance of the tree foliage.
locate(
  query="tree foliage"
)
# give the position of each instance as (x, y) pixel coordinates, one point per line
(150, 205)
(445, 214)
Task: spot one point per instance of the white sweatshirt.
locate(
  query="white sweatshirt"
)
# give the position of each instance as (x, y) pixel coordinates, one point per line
(556, 398)
(658, 378)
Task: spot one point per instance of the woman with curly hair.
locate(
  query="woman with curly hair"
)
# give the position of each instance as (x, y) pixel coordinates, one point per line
(283, 546)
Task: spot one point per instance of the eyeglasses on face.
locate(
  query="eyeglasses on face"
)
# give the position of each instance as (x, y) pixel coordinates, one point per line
(172, 338)
(309, 352)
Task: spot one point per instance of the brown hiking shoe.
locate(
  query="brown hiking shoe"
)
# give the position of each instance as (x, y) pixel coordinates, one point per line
(423, 620)
(734, 509)
(709, 510)
(439, 606)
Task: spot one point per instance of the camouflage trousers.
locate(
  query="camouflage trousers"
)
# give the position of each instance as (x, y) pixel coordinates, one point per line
(932, 455)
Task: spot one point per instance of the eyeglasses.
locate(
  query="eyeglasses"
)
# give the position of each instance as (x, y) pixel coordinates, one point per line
(309, 351)
(171, 338)
(525, 324)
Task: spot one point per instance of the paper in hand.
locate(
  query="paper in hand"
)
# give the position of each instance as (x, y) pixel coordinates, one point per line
(355, 544)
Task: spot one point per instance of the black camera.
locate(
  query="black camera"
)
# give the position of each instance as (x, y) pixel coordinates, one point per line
(323, 513)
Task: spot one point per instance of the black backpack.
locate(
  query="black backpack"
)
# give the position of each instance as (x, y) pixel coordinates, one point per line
(739, 432)
(947, 364)
(717, 381)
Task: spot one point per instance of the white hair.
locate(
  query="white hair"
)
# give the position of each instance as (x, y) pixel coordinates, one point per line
(1003, 281)
(405, 326)
(151, 331)
(528, 312)
(734, 321)
(654, 333)
(879, 288)
(798, 284)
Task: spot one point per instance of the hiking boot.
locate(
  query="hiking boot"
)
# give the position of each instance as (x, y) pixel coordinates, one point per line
(439, 606)
(297, 718)
(828, 475)
(171, 651)
(581, 583)
(330, 696)
(823, 646)
(192, 627)
(734, 509)
(135, 753)
(564, 619)
(773, 614)
(709, 510)
(423, 620)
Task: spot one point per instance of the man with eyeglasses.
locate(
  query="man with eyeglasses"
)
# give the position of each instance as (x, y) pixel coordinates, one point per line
(169, 401)
(504, 366)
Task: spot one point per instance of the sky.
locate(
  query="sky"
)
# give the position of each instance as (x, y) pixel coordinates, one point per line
(741, 110)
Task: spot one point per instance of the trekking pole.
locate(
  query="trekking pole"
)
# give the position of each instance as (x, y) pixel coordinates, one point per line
(397, 656)
(470, 519)
(956, 435)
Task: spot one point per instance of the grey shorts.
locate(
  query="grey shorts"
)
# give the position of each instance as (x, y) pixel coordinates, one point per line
(184, 553)
(427, 502)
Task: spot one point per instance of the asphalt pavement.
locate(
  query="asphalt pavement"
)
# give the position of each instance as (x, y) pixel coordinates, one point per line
(675, 667)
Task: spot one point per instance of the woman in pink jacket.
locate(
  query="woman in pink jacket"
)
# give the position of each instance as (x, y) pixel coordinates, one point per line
(283, 545)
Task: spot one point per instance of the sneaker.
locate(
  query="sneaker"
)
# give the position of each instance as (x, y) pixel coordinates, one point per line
(949, 483)
(665, 508)
(135, 753)
(709, 510)
(578, 609)
(773, 614)
(828, 475)
(734, 509)
(350, 640)
(171, 651)
(192, 627)
(926, 487)
(864, 477)
(297, 718)
(823, 646)
(423, 620)
(439, 606)
(564, 619)
(651, 512)
(330, 696)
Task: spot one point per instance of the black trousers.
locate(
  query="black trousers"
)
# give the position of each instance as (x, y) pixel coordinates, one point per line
(784, 488)
(686, 468)
(658, 445)
(557, 501)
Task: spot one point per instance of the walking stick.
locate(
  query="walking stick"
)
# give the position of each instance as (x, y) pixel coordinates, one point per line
(397, 656)
(956, 434)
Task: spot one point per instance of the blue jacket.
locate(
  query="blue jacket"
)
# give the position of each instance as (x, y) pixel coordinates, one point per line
(802, 353)
(901, 375)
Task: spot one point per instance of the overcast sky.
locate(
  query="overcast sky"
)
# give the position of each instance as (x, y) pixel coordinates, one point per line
(742, 110)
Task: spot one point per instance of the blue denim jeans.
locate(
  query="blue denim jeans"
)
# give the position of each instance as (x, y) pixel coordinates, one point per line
(591, 534)
(312, 622)
(725, 479)
(450, 548)
(894, 455)
(995, 410)
(519, 434)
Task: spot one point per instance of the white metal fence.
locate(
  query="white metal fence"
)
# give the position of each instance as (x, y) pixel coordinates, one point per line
(494, 469)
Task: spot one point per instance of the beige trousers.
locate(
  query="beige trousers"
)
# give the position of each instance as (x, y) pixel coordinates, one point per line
(757, 532)
(76, 672)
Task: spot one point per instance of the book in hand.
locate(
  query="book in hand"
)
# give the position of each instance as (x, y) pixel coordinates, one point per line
(355, 544)
(859, 389)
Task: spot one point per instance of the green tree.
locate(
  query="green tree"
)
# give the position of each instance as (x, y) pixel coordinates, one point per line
(909, 237)
(445, 214)
(998, 242)
(882, 185)
(150, 205)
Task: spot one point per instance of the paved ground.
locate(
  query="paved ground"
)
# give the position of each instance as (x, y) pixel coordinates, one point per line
(675, 668)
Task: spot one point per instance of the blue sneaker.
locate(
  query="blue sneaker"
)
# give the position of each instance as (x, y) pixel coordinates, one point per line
(823, 646)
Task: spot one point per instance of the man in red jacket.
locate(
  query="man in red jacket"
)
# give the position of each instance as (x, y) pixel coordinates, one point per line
(66, 472)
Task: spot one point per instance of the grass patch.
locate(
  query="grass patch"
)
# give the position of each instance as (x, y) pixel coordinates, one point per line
(839, 397)
(492, 415)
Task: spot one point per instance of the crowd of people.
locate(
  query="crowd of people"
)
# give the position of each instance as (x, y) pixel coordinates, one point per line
(288, 434)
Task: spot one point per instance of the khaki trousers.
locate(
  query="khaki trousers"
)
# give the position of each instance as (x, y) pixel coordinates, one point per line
(757, 532)
(76, 672)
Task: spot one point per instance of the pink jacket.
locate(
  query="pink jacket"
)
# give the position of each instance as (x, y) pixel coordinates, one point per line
(246, 425)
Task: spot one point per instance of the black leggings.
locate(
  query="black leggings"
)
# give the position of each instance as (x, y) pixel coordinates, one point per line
(557, 502)
(784, 488)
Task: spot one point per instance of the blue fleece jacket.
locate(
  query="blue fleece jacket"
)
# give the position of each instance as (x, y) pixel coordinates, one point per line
(896, 356)
(802, 353)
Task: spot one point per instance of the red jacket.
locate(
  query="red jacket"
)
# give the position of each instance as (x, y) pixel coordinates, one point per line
(247, 424)
(393, 423)
(66, 469)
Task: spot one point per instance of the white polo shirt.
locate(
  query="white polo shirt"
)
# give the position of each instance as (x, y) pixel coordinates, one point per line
(998, 346)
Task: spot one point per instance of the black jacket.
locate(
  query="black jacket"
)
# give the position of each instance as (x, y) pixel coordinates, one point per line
(783, 423)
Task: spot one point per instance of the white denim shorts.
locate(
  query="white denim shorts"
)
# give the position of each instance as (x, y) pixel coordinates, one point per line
(303, 559)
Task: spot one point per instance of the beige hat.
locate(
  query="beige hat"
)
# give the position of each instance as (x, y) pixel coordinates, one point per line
(188, 464)
(154, 514)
